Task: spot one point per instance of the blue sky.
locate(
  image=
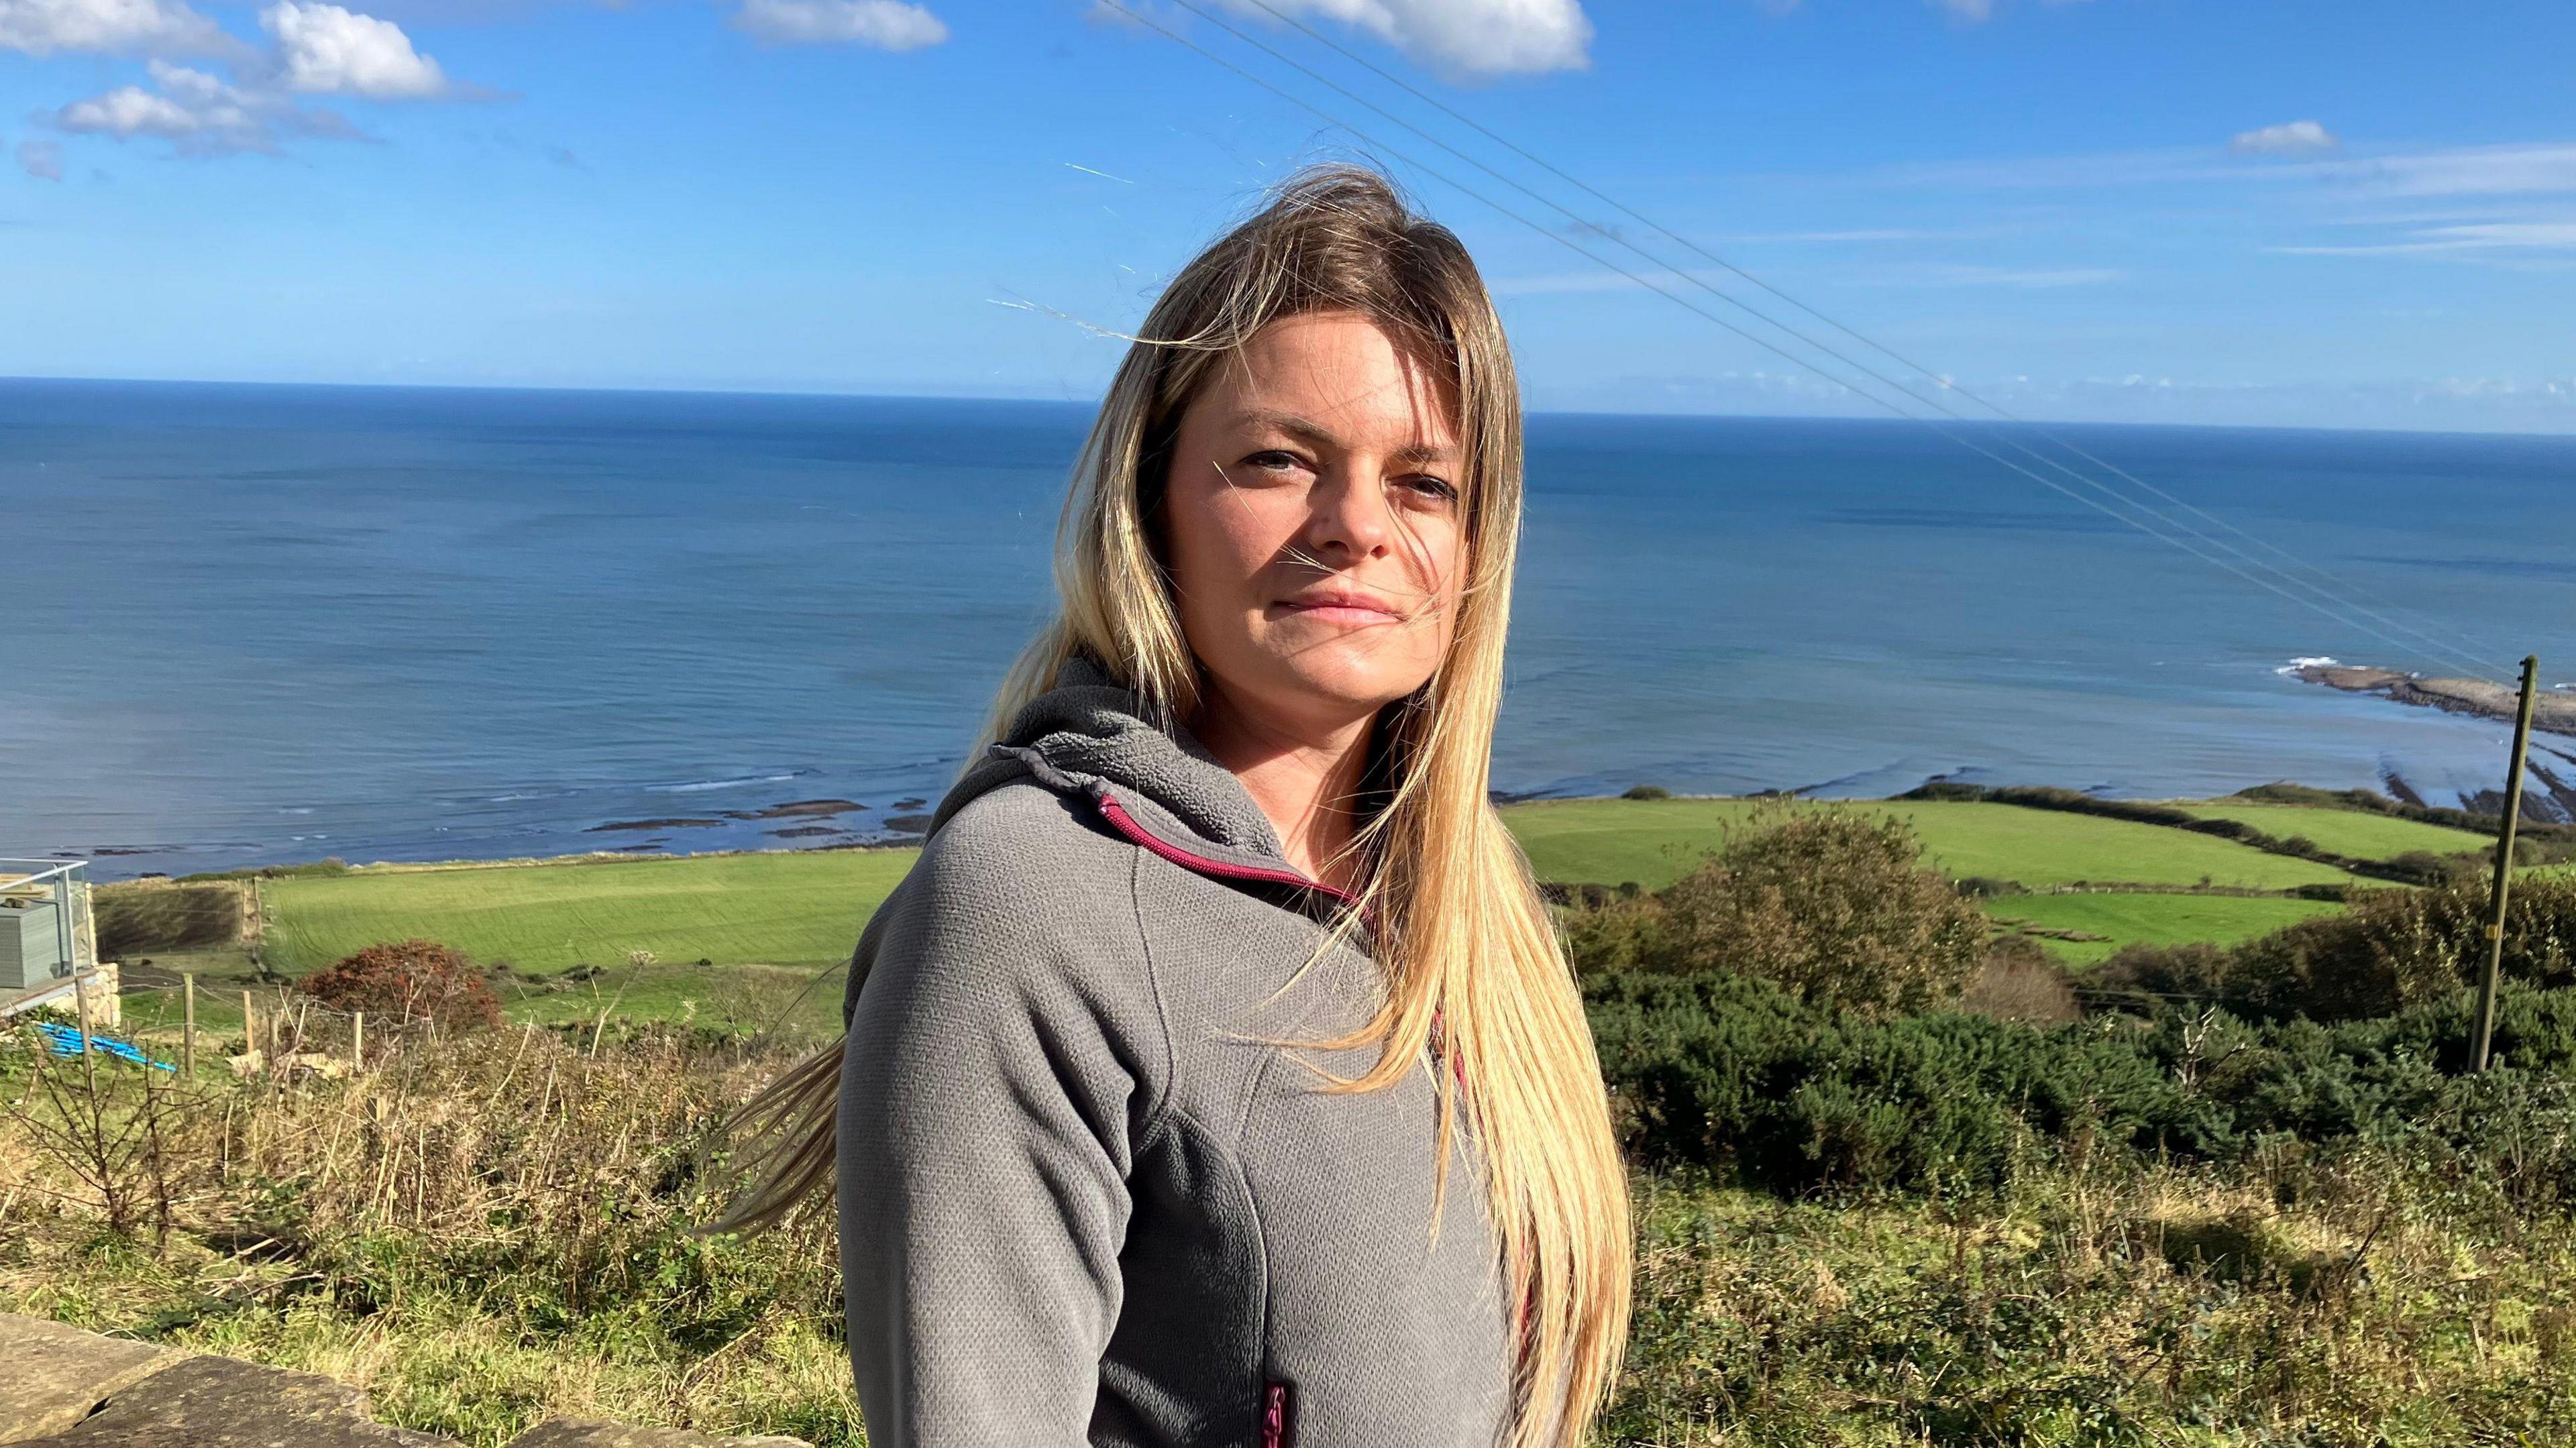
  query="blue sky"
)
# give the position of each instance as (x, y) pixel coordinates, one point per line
(2322, 212)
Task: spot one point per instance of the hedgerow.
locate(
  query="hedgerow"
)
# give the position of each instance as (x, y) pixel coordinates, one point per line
(1735, 1075)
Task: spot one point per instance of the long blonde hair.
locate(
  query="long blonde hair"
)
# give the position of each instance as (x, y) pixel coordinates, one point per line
(1460, 932)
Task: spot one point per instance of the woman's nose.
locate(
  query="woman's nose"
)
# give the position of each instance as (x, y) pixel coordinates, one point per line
(1350, 512)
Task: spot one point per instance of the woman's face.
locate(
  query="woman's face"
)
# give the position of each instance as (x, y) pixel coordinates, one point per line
(1312, 522)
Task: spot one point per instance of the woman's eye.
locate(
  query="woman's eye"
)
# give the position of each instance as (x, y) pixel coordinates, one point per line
(1272, 460)
(1431, 487)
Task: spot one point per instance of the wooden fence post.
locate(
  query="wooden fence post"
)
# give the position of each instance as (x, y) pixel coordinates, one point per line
(2484, 1036)
(89, 1058)
(357, 1042)
(188, 1023)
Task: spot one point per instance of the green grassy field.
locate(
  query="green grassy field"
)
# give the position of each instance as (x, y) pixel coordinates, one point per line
(790, 909)
(2149, 919)
(771, 930)
(2344, 831)
(766, 924)
(1655, 842)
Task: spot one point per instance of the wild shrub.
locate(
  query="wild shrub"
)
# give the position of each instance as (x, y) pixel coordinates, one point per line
(2019, 981)
(409, 981)
(1606, 932)
(2391, 950)
(1735, 1075)
(2141, 978)
(1834, 907)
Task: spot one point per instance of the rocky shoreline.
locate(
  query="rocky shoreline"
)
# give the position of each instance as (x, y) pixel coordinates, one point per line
(2553, 712)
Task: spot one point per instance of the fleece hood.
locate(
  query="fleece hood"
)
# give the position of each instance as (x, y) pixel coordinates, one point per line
(1088, 739)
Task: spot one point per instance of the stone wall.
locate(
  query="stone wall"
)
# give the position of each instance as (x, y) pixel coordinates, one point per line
(65, 1388)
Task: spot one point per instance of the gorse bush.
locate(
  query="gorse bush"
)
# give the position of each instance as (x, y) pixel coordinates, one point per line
(1835, 908)
(1732, 1073)
(409, 981)
(1727, 1073)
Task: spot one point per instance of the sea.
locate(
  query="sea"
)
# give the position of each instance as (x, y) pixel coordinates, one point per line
(247, 625)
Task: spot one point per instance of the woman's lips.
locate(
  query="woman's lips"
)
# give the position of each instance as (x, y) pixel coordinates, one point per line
(1343, 608)
(1341, 613)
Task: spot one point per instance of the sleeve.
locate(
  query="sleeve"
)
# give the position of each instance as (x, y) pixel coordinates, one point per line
(998, 1073)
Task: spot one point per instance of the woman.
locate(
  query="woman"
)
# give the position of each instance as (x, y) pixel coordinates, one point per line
(1218, 969)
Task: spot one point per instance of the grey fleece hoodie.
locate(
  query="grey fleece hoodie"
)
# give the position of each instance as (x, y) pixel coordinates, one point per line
(1077, 1204)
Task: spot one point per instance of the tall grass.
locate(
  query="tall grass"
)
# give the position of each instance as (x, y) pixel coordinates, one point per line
(484, 1232)
(491, 1231)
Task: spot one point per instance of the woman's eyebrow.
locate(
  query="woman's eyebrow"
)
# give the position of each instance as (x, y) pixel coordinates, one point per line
(1307, 430)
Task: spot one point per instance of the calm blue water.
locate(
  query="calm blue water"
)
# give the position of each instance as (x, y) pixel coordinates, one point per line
(254, 624)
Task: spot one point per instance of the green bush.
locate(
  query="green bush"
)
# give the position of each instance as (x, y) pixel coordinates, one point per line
(2391, 950)
(1646, 791)
(1738, 1076)
(1836, 908)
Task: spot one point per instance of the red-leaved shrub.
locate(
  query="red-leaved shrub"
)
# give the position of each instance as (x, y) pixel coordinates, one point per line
(409, 981)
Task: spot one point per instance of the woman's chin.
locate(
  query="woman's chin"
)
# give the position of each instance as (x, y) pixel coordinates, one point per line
(1350, 690)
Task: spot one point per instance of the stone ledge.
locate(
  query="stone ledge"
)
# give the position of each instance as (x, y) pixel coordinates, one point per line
(58, 1375)
(65, 1388)
(219, 1402)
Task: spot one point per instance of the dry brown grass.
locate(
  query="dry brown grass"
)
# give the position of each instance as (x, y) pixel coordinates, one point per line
(483, 1232)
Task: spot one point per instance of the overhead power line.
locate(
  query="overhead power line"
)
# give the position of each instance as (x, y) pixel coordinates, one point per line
(2165, 527)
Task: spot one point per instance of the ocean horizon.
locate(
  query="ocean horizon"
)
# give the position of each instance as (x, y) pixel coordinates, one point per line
(256, 624)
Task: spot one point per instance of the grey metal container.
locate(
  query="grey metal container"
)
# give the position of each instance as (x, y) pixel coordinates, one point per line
(31, 946)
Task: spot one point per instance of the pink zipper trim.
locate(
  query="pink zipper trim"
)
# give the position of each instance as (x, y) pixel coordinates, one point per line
(1277, 1430)
(1154, 844)
(1125, 823)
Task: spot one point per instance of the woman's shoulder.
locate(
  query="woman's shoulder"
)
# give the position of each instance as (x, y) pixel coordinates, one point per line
(1018, 910)
(1023, 861)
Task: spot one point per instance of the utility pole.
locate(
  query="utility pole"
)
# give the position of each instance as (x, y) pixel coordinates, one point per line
(2485, 1038)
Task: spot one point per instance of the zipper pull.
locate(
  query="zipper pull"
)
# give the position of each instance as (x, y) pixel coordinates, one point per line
(1278, 1414)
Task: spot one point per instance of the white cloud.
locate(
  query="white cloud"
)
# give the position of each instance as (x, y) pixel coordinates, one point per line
(2525, 169)
(198, 114)
(323, 49)
(1477, 37)
(2290, 138)
(118, 27)
(2480, 236)
(885, 24)
(2478, 171)
(41, 159)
